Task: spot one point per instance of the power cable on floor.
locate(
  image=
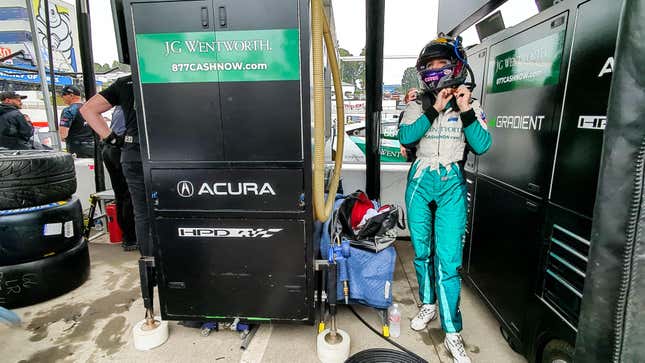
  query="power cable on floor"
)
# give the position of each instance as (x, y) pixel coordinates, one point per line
(380, 355)
(377, 355)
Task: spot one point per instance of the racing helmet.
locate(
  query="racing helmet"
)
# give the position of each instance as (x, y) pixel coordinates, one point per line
(451, 75)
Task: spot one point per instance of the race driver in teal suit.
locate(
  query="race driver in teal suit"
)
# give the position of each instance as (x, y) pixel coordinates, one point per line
(444, 123)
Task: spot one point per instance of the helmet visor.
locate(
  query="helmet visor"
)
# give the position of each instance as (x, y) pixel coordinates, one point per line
(432, 77)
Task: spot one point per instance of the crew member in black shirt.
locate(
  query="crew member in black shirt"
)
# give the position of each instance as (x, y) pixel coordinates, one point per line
(120, 93)
(77, 134)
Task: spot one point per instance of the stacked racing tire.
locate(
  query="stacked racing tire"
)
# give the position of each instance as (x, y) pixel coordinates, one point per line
(42, 250)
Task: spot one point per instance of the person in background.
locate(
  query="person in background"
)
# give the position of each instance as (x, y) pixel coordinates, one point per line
(120, 93)
(73, 129)
(112, 159)
(445, 122)
(409, 151)
(16, 132)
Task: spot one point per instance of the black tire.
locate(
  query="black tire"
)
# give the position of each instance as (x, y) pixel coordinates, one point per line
(558, 351)
(33, 233)
(35, 177)
(33, 282)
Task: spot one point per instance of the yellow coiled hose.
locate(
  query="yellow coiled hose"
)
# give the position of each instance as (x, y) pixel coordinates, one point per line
(320, 30)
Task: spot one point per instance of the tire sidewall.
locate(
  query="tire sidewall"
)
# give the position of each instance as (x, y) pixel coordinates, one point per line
(33, 282)
(30, 178)
(39, 232)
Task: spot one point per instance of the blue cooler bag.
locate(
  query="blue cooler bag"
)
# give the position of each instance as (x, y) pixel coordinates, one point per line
(369, 274)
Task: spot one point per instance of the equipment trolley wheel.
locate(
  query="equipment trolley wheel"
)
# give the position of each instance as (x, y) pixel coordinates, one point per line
(558, 351)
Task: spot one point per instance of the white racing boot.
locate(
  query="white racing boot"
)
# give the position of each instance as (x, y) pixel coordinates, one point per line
(455, 345)
(426, 314)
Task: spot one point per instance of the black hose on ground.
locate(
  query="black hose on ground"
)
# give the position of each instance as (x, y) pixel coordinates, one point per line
(381, 354)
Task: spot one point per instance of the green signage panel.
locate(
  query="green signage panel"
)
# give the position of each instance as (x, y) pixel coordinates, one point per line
(536, 64)
(390, 149)
(231, 56)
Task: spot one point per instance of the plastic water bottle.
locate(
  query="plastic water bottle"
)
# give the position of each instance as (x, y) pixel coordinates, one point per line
(394, 320)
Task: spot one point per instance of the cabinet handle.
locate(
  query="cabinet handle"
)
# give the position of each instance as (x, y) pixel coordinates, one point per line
(204, 17)
(222, 16)
(531, 206)
(557, 22)
(534, 188)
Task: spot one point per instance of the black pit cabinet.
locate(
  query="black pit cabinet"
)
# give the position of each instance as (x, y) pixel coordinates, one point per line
(532, 195)
(222, 96)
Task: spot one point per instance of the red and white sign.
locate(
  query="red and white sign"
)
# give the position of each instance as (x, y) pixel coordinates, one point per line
(4, 52)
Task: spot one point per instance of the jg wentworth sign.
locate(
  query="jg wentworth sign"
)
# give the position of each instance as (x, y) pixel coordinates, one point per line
(231, 56)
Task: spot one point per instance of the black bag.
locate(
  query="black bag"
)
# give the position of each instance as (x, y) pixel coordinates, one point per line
(377, 234)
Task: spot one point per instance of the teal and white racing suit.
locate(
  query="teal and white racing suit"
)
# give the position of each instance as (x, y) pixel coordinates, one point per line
(436, 175)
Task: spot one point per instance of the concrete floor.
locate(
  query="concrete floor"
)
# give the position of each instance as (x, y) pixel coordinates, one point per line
(93, 324)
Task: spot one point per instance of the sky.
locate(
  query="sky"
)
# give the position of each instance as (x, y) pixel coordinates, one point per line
(409, 25)
(103, 38)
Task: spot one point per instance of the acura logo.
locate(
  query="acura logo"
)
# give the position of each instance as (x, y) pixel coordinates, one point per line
(185, 189)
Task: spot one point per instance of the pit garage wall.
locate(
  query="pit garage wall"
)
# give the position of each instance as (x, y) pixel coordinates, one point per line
(544, 91)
